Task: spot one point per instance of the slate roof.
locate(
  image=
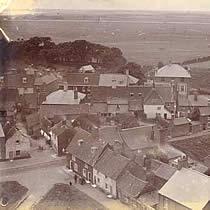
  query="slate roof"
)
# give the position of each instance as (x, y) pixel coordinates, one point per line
(106, 80)
(153, 98)
(46, 79)
(85, 151)
(1, 132)
(63, 97)
(109, 134)
(46, 124)
(204, 111)
(8, 98)
(77, 79)
(165, 171)
(181, 121)
(31, 101)
(172, 70)
(131, 185)
(111, 164)
(33, 120)
(202, 101)
(137, 138)
(188, 188)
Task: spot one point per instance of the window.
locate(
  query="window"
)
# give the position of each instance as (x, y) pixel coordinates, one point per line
(89, 176)
(98, 180)
(76, 167)
(106, 186)
(159, 108)
(1, 79)
(86, 166)
(86, 80)
(182, 79)
(18, 153)
(140, 94)
(83, 89)
(17, 141)
(162, 79)
(131, 94)
(70, 164)
(84, 172)
(73, 158)
(24, 79)
(182, 88)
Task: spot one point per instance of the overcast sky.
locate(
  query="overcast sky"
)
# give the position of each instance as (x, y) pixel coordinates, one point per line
(176, 5)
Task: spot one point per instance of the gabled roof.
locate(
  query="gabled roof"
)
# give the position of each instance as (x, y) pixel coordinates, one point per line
(78, 79)
(111, 164)
(181, 121)
(172, 70)
(106, 80)
(165, 171)
(137, 138)
(46, 124)
(153, 98)
(109, 134)
(1, 132)
(188, 188)
(63, 97)
(46, 79)
(131, 185)
(89, 150)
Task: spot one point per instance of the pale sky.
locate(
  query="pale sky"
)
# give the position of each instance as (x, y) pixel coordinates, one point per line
(174, 5)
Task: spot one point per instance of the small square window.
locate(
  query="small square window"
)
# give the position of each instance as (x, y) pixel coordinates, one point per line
(24, 79)
(159, 108)
(75, 167)
(106, 186)
(17, 141)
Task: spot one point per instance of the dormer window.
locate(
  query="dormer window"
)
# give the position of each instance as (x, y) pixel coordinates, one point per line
(140, 94)
(86, 80)
(24, 80)
(131, 94)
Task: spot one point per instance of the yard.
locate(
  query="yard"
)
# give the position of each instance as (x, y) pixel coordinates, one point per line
(63, 197)
(13, 192)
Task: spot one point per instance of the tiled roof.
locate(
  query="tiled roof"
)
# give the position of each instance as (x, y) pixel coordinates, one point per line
(107, 80)
(78, 79)
(135, 105)
(109, 134)
(153, 98)
(137, 138)
(131, 185)
(8, 98)
(111, 164)
(63, 97)
(181, 121)
(172, 70)
(46, 79)
(201, 101)
(32, 120)
(31, 101)
(1, 131)
(84, 151)
(188, 188)
(46, 124)
(165, 171)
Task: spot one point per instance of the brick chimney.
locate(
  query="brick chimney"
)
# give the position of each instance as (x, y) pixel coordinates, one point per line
(75, 94)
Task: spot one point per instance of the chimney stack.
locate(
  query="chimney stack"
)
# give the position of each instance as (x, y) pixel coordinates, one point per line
(75, 94)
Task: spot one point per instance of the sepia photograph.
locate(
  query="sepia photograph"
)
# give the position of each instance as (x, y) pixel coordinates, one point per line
(104, 105)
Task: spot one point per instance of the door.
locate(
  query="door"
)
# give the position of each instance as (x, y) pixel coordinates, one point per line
(11, 156)
(89, 176)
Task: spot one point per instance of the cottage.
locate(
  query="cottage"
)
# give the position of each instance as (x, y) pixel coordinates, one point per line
(129, 187)
(61, 135)
(105, 175)
(64, 102)
(186, 189)
(154, 105)
(82, 154)
(17, 146)
(33, 124)
(180, 127)
(138, 139)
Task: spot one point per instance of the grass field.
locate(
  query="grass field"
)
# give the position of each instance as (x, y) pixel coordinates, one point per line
(145, 38)
(65, 197)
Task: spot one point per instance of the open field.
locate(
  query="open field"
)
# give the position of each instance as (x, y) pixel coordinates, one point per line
(64, 197)
(144, 37)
